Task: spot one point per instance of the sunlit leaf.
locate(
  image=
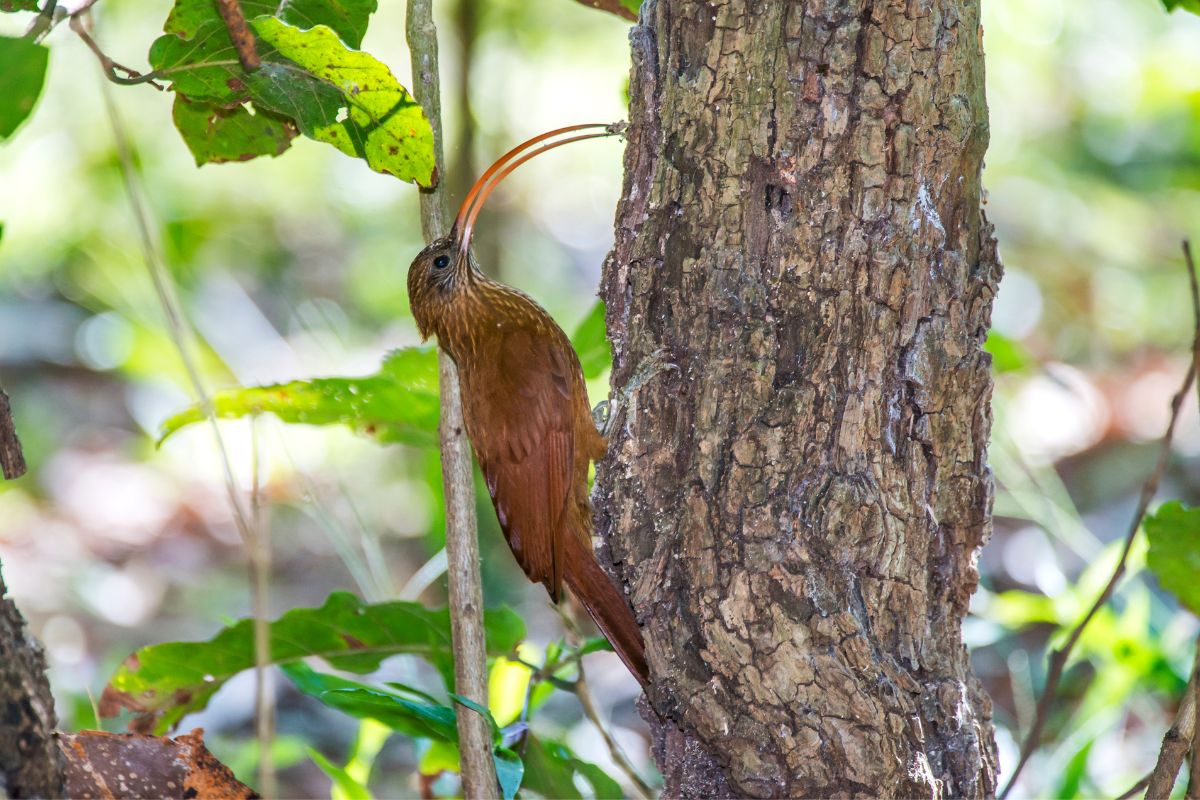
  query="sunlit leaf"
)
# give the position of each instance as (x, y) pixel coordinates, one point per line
(216, 134)
(1173, 533)
(590, 341)
(22, 73)
(18, 5)
(508, 683)
(1008, 355)
(163, 682)
(347, 18)
(397, 404)
(438, 758)
(384, 124)
(333, 94)
(344, 783)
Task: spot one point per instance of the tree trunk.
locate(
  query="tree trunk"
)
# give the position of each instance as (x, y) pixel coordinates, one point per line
(30, 764)
(797, 511)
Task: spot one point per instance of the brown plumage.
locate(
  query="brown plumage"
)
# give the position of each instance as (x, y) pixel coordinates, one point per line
(526, 410)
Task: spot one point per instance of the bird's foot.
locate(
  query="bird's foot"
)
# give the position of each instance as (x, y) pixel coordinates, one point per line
(606, 414)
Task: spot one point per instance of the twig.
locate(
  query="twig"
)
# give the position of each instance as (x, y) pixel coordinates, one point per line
(107, 65)
(180, 337)
(239, 32)
(1059, 657)
(260, 577)
(12, 460)
(1176, 742)
(584, 693)
(462, 544)
(43, 22)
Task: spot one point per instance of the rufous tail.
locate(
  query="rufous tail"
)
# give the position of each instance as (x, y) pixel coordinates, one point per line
(607, 606)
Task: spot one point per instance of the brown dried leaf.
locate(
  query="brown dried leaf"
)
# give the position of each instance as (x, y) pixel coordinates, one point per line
(113, 766)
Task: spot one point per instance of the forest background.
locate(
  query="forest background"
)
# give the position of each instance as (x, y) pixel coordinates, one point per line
(295, 267)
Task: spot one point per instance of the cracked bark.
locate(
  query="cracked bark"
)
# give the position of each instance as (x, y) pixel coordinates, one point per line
(797, 512)
(30, 764)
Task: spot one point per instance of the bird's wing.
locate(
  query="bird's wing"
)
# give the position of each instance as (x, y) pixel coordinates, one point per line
(526, 448)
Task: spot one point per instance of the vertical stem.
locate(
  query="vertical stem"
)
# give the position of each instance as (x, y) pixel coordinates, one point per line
(462, 545)
(260, 575)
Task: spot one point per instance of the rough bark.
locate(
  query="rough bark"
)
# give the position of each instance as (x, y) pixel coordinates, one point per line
(797, 511)
(30, 764)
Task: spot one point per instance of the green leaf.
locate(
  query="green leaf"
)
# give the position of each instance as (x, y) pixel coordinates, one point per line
(1188, 5)
(625, 9)
(384, 124)
(509, 770)
(216, 134)
(342, 780)
(410, 717)
(163, 682)
(22, 73)
(1008, 355)
(347, 18)
(18, 5)
(590, 341)
(1173, 533)
(550, 769)
(333, 94)
(397, 404)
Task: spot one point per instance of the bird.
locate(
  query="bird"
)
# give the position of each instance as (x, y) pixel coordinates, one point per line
(525, 406)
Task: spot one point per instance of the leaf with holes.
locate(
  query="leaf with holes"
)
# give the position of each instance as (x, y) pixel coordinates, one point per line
(161, 683)
(333, 94)
(216, 134)
(382, 124)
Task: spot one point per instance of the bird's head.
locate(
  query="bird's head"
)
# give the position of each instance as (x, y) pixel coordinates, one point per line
(446, 268)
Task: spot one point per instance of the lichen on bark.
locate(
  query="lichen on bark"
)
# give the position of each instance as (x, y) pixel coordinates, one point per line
(797, 511)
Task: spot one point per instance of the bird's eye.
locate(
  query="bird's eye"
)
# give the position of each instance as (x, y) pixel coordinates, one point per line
(441, 262)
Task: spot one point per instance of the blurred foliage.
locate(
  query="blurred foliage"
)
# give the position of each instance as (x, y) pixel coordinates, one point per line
(163, 682)
(295, 268)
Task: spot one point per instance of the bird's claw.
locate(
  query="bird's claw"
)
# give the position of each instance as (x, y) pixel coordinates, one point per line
(606, 414)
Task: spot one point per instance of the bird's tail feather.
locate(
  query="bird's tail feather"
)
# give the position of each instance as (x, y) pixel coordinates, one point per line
(606, 605)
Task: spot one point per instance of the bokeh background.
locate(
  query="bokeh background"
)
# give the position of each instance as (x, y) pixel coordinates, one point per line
(295, 267)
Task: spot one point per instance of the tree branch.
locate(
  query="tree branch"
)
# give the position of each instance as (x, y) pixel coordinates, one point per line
(1176, 741)
(462, 544)
(12, 460)
(1059, 657)
(239, 32)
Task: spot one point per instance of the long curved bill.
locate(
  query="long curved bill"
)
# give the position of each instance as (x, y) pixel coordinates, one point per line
(464, 223)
